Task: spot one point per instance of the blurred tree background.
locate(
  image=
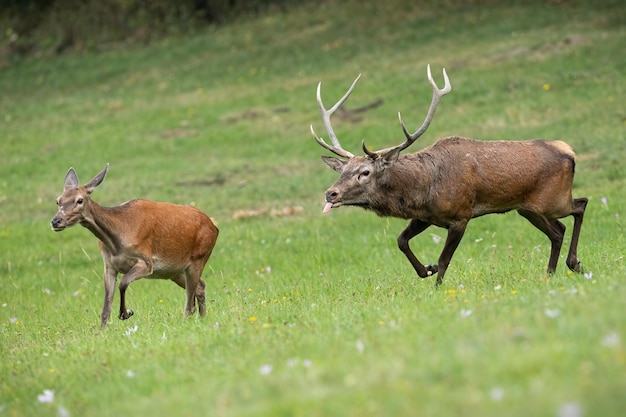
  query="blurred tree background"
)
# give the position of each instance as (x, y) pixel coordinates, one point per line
(51, 27)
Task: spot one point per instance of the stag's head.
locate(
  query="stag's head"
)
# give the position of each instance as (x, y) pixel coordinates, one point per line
(73, 203)
(361, 176)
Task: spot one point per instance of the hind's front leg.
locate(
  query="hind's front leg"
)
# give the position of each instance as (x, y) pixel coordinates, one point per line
(110, 276)
(139, 270)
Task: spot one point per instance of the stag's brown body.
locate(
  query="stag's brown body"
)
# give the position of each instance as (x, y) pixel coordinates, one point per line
(141, 239)
(455, 180)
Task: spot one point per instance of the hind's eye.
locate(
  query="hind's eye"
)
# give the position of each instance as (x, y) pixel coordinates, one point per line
(365, 173)
(79, 201)
(57, 201)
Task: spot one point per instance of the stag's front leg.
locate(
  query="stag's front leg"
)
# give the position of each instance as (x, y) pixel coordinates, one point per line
(414, 228)
(139, 270)
(455, 234)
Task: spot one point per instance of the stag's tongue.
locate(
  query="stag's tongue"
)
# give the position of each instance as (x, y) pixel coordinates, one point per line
(327, 208)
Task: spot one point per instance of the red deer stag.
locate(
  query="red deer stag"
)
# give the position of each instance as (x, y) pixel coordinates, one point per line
(455, 180)
(140, 239)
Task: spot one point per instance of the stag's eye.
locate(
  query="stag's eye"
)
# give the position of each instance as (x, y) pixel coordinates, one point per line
(364, 174)
(79, 201)
(57, 201)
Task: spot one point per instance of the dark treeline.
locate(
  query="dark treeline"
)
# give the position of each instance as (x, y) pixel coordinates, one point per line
(54, 26)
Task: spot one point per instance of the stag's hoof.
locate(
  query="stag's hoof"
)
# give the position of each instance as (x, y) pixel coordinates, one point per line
(126, 315)
(431, 269)
(576, 267)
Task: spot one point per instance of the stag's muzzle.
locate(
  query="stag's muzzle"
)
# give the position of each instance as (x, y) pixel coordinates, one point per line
(331, 196)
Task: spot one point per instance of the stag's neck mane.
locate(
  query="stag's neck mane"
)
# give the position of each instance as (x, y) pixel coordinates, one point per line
(404, 187)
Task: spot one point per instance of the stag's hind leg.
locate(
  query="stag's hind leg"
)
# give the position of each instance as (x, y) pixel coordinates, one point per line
(578, 212)
(554, 229)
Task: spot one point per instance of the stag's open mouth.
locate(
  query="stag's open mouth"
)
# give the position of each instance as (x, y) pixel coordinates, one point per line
(327, 207)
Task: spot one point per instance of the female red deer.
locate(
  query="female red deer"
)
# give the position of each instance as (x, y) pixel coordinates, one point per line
(140, 239)
(455, 180)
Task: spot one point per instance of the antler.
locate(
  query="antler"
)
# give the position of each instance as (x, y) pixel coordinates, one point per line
(336, 148)
(410, 138)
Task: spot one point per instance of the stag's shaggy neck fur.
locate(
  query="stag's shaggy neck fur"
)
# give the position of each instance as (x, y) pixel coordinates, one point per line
(404, 187)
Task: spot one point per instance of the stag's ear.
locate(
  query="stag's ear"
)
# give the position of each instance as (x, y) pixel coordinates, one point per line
(335, 163)
(388, 158)
(91, 185)
(71, 180)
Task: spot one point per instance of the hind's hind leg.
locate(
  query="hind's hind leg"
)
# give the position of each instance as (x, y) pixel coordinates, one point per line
(201, 297)
(578, 212)
(190, 287)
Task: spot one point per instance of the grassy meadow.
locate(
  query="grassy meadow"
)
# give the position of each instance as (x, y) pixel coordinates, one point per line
(312, 315)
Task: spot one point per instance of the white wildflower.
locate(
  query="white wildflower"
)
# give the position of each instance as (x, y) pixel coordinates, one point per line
(360, 347)
(552, 312)
(570, 410)
(265, 369)
(131, 330)
(46, 397)
(604, 202)
(496, 393)
(465, 313)
(63, 412)
(610, 340)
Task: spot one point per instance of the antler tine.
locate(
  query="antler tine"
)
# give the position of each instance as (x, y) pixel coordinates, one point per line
(326, 114)
(437, 94)
(337, 151)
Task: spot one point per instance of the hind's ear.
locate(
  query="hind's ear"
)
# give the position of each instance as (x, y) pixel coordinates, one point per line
(71, 180)
(91, 185)
(335, 163)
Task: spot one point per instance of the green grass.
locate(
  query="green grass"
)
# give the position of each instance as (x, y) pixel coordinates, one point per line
(309, 314)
